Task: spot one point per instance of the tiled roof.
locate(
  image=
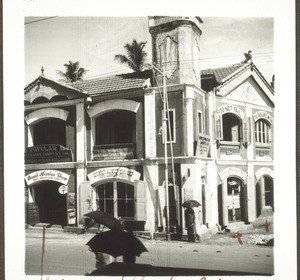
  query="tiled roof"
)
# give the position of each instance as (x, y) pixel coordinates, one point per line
(113, 83)
(222, 73)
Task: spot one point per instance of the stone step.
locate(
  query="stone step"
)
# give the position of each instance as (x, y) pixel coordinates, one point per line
(238, 227)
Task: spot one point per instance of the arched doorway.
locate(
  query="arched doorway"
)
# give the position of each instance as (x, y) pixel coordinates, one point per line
(51, 203)
(264, 193)
(232, 196)
(235, 200)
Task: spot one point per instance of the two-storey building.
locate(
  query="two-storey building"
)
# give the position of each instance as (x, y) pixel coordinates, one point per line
(97, 144)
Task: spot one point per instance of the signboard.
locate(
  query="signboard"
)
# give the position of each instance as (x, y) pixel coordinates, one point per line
(47, 153)
(264, 171)
(45, 175)
(263, 115)
(231, 109)
(113, 173)
(232, 172)
(202, 145)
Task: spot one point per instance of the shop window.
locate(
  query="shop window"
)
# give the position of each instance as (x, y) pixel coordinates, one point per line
(116, 198)
(262, 132)
(125, 200)
(116, 127)
(106, 198)
(231, 125)
(50, 131)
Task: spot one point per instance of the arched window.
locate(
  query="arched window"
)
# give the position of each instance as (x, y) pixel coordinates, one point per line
(262, 131)
(231, 127)
(115, 127)
(50, 131)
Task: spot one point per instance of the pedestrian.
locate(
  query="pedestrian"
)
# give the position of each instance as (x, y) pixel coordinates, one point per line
(190, 223)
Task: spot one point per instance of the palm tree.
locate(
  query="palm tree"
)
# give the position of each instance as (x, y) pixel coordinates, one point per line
(73, 72)
(136, 56)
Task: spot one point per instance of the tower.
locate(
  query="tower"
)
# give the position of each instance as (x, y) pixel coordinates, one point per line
(176, 48)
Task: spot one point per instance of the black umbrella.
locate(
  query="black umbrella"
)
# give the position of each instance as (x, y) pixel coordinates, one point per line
(105, 219)
(116, 243)
(191, 203)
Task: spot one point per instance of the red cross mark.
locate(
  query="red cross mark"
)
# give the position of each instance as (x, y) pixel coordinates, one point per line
(238, 236)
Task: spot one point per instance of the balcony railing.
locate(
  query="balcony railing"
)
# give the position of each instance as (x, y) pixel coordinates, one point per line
(114, 151)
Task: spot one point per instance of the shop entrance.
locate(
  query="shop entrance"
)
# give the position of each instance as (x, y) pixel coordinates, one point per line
(236, 197)
(51, 203)
(264, 194)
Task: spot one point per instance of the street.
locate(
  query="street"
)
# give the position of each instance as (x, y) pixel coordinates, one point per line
(67, 254)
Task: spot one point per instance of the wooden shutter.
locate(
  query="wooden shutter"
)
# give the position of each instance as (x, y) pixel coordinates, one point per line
(85, 202)
(247, 131)
(140, 194)
(218, 126)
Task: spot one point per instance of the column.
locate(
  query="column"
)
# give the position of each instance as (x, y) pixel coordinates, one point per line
(80, 155)
(262, 192)
(151, 178)
(150, 125)
(224, 202)
(189, 123)
(251, 194)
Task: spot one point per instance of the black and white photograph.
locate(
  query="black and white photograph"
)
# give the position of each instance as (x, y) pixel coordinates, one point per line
(152, 146)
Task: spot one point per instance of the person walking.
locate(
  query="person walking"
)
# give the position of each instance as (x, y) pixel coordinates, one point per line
(190, 223)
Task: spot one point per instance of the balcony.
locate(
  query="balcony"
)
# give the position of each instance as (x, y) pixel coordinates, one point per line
(114, 151)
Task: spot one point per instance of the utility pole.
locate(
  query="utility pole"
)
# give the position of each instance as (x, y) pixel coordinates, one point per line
(165, 139)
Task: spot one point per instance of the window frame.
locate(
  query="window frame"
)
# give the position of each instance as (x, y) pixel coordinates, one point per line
(173, 125)
(263, 130)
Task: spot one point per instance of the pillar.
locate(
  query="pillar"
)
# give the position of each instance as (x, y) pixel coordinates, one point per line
(151, 178)
(224, 202)
(262, 192)
(150, 128)
(188, 124)
(80, 154)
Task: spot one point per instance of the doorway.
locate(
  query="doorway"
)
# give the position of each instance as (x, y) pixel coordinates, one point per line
(235, 200)
(51, 203)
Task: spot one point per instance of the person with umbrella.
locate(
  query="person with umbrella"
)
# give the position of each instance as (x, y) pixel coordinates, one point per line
(189, 215)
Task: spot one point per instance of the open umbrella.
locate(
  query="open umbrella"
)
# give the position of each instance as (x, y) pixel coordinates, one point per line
(105, 219)
(191, 203)
(116, 243)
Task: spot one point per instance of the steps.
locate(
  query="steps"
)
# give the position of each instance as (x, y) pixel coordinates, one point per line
(238, 226)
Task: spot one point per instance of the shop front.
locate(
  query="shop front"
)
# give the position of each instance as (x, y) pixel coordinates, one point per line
(48, 199)
(120, 192)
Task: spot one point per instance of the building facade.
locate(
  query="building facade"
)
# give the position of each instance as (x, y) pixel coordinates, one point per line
(98, 143)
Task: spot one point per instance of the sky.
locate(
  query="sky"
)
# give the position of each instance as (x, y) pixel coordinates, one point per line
(93, 41)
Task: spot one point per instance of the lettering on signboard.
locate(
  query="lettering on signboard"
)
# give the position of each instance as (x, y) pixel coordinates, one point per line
(113, 173)
(47, 153)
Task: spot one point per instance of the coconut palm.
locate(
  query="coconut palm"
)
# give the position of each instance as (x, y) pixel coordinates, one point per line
(135, 56)
(73, 72)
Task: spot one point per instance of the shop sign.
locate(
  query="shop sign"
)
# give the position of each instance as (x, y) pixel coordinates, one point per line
(122, 173)
(264, 171)
(47, 175)
(232, 172)
(47, 153)
(263, 115)
(202, 145)
(63, 189)
(231, 109)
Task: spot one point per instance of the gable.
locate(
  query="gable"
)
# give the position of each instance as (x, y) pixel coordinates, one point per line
(248, 86)
(47, 89)
(248, 92)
